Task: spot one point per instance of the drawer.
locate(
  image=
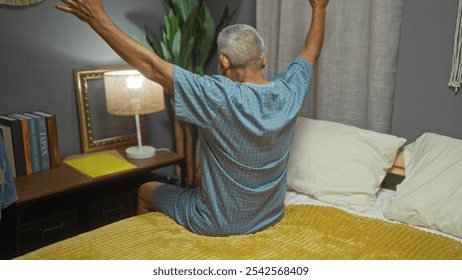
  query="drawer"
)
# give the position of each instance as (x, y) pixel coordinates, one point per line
(49, 230)
(103, 211)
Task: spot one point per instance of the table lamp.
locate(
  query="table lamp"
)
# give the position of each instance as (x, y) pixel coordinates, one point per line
(129, 93)
(19, 2)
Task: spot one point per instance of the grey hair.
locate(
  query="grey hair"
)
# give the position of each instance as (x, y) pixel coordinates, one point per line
(242, 44)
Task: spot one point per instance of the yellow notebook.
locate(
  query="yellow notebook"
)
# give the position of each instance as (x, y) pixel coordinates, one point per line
(99, 164)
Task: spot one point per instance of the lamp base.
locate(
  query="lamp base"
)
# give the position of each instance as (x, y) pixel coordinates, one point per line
(136, 152)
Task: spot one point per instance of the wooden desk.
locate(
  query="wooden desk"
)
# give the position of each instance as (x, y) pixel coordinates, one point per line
(65, 178)
(65, 182)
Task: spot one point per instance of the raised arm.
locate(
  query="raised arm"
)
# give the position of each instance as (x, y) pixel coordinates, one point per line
(134, 53)
(315, 37)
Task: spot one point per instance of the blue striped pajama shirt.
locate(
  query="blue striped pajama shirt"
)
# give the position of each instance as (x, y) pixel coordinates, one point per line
(246, 132)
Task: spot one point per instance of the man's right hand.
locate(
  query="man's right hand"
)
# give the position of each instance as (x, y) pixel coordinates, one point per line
(319, 3)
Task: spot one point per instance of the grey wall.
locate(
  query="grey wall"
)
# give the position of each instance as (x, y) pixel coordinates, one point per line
(423, 100)
(40, 47)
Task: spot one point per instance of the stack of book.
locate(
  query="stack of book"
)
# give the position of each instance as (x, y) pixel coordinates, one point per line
(31, 141)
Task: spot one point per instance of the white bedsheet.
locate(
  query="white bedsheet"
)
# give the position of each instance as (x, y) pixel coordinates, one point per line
(293, 197)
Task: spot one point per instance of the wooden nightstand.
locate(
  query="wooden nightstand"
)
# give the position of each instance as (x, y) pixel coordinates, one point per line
(62, 202)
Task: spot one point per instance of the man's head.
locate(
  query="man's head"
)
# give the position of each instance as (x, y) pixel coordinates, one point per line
(242, 45)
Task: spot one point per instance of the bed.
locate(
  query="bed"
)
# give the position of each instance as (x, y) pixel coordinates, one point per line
(335, 207)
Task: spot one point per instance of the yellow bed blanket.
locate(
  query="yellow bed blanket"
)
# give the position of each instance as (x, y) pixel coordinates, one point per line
(305, 232)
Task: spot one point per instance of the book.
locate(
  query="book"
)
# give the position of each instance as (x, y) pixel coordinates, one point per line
(18, 143)
(26, 144)
(2, 180)
(33, 140)
(52, 133)
(99, 164)
(42, 140)
(5, 132)
(8, 193)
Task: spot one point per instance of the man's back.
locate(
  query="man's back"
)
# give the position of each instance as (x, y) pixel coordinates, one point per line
(246, 134)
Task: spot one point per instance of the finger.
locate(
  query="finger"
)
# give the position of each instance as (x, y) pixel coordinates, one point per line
(70, 5)
(62, 8)
(68, 2)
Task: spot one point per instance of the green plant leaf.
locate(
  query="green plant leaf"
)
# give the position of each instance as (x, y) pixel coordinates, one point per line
(166, 51)
(176, 47)
(199, 70)
(189, 34)
(207, 36)
(153, 42)
(185, 8)
(171, 26)
(186, 53)
(225, 19)
(169, 3)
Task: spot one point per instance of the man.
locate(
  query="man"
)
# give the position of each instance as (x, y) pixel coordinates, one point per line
(246, 123)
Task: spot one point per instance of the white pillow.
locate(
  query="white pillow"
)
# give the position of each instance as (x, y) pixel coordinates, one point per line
(340, 164)
(431, 193)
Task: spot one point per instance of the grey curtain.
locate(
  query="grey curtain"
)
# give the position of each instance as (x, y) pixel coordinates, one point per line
(354, 80)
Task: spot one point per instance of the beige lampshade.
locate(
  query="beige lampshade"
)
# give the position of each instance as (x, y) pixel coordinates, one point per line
(19, 2)
(129, 93)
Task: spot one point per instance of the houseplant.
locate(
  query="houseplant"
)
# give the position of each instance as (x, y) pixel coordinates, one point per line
(188, 40)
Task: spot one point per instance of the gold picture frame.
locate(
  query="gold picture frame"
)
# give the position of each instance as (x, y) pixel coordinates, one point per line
(99, 130)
